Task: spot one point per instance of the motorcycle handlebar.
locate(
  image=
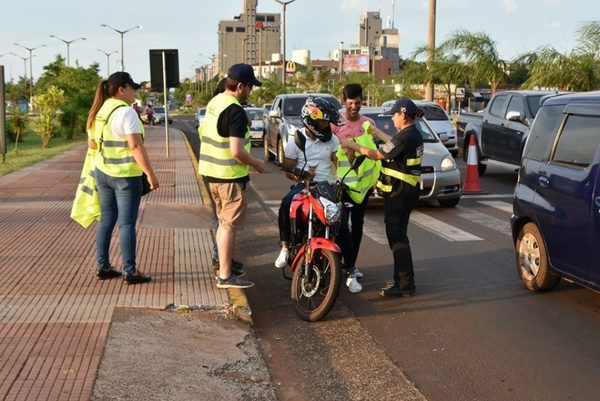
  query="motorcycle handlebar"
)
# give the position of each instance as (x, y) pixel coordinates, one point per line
(296, 171)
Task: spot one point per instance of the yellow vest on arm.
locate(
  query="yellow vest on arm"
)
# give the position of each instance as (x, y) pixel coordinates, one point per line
(363, 179)
(114, 157)
(216, 159)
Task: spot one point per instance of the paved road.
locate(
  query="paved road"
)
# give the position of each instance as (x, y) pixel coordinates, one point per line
(472, 332)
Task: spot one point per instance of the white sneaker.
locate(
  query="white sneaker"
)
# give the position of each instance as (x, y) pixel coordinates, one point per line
(358, 273)
(282, 259)
(353, 284)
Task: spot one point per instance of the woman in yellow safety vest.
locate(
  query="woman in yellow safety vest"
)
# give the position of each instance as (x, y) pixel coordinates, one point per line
(116, 132)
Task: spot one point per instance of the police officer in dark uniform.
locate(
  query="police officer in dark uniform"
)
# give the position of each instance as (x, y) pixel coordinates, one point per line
(401, 157)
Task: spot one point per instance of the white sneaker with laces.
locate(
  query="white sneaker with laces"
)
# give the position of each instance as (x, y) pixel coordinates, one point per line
(358, 273)
(353, 284)
(282, 259)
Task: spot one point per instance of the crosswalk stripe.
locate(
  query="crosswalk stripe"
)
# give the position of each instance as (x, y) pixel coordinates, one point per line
(504, 206)
(485, 220)
(441, 229)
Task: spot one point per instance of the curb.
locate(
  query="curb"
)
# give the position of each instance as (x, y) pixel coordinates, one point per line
(237, 297)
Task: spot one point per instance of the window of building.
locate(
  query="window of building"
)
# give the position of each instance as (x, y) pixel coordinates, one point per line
(270, 18)
(228, 29)
(260, 18)
(240, 29)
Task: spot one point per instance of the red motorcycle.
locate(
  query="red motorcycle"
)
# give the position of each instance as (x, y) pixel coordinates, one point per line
(316, 214)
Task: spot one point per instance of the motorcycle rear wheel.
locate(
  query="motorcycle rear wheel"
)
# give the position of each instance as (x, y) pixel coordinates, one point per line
(313, 298)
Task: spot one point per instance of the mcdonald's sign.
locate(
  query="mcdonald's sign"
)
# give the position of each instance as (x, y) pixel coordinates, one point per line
(290, 67)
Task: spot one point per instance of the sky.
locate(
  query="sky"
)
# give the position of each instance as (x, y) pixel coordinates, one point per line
(517, 26)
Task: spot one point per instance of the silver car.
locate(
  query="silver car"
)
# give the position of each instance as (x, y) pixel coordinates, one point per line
(440, 177)
(255, 120)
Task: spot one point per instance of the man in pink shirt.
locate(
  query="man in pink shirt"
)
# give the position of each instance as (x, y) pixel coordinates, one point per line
(355, 126)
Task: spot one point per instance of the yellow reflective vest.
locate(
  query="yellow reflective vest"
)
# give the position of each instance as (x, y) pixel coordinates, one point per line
(361, 180)
(216, 159)
(86, 205)
(402, 175)
(114, 157)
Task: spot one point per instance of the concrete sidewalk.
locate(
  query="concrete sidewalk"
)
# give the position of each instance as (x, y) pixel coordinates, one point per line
(54, 314)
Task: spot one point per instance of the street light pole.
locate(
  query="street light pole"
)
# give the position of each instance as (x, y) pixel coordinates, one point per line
(24, 64)
(68, 43)
(107, 60)
(122, 33)
(431, 45)
(341, 55)
(30, 49)
(284, 4)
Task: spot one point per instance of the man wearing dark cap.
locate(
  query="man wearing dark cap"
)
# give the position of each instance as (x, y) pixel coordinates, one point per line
(399, 182)
(225, 161)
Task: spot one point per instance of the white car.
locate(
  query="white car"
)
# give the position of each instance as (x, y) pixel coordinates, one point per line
(255, 120)
(440, 177)
(438, 120)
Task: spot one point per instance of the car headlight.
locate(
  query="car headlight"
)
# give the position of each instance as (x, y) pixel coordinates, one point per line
(448, 163)
(333, 211)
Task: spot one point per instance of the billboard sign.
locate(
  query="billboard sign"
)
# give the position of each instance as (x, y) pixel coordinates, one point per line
(356, 63)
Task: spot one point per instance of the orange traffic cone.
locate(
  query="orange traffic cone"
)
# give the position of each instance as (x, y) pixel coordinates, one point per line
(472, 185)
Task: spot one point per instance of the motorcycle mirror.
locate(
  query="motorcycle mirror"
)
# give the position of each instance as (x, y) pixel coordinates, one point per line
(300, 141)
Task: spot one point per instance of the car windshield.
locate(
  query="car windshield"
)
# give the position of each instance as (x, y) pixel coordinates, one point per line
(254, 114)
(293, 106)
(202, 112)
(533, 102)
(433, 113)
(159, 109)
(384, 123)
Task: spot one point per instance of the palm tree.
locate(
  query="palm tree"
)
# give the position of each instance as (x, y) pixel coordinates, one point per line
(480, 53)
(446, 69)
(18, 123)
(578, 70)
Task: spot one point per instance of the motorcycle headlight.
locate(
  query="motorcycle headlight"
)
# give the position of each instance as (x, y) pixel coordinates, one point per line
(333, 211)
(448, 163)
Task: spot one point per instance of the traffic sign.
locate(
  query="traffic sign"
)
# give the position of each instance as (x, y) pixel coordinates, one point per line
(459, 93)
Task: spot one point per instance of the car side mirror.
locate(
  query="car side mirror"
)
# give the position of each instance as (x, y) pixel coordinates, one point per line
(443, 137)
(300, 141)
(515, 116)
(274, 114)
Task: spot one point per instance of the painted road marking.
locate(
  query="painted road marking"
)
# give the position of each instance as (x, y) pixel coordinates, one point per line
(504, 206)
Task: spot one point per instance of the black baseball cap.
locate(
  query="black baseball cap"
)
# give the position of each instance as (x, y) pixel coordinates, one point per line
(121, 78)
(243, 73)
(405, 105)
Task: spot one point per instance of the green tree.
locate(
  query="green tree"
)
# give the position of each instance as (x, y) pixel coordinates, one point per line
(271, 87)
(19, 90)
(480, 53)
(578, 70)
(446, 69)
(17, 123)
(48, 105)
(78, 85)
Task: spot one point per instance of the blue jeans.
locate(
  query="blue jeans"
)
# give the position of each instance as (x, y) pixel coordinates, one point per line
(119, 201)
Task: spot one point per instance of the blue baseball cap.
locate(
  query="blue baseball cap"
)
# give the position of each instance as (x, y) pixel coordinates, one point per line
(243, 73)
(405, 105)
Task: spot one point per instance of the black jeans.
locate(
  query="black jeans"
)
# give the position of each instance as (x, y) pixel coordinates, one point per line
(356, 217)
(397, 215)
(284, 213)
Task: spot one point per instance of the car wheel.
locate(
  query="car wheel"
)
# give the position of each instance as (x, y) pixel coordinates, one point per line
(269, 157)
(452, 202)
(280, 152)
(532, 260)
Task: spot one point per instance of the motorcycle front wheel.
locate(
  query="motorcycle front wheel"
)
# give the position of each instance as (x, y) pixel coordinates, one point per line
(314, 295)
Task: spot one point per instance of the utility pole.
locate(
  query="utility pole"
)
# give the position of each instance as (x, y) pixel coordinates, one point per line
(341, 59)
(284, 4)
(431, 46)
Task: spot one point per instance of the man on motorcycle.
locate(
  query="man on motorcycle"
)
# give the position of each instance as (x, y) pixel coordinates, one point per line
(319, 158)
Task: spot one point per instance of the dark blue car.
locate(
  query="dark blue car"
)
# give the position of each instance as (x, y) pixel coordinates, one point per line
(556, 207)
